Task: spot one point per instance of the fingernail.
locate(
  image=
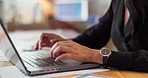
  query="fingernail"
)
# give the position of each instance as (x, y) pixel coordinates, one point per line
(36, 48)
(56, 60)
(51, 41)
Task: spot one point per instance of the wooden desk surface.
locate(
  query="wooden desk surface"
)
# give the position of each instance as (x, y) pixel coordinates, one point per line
(118, 74)
(113, 73)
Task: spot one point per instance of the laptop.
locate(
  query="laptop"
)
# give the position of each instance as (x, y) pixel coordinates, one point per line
(37, 62)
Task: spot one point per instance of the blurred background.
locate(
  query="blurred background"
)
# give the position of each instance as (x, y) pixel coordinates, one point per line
(51, 14)
(28, 19)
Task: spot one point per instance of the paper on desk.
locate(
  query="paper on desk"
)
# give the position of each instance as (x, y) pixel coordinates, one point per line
(16, 73)
(1, 53)
(2, 56)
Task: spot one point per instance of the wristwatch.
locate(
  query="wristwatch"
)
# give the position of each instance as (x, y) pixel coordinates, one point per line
(105, 55)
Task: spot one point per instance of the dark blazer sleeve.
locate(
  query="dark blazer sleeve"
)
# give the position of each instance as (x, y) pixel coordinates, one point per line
(98, 35)
(137, 61)
(134, 60)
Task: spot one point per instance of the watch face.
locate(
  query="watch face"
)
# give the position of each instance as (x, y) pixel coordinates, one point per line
(105, 52)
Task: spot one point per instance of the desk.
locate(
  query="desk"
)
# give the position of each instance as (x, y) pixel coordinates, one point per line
(113, 73)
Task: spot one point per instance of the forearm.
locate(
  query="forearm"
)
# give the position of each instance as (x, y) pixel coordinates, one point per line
(129, 60)
(120, 60)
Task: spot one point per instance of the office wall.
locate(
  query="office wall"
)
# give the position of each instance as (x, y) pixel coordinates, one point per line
(1, 8)
(29, 11)
(98, 7)
(21, 11)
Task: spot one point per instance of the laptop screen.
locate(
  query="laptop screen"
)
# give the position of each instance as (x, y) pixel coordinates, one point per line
(7, 47)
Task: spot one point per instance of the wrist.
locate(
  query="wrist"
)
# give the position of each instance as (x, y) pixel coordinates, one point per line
(97, 57)
(105, 53)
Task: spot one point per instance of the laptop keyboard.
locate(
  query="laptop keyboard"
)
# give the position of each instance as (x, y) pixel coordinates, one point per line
(39, 60)
(50, 62)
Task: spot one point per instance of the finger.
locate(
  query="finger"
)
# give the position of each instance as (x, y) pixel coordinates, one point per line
(54, 40)
(60, 49)
(56, 51)
(36, 46)
(60, 43)
(51, 54)
(40, 41)
(67, 43)
(64, 56)
(51, 35)
(45, 39)
(61, 53)
(52, 48)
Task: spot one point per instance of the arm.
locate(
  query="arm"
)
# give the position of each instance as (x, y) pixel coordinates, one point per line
(97, 36)
(136, 60)
(129, 60)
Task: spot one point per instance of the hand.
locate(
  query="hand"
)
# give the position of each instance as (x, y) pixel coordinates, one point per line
(47, 40)
(71, 50)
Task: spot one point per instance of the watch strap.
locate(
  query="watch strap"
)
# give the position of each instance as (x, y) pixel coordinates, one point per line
(105, 61)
